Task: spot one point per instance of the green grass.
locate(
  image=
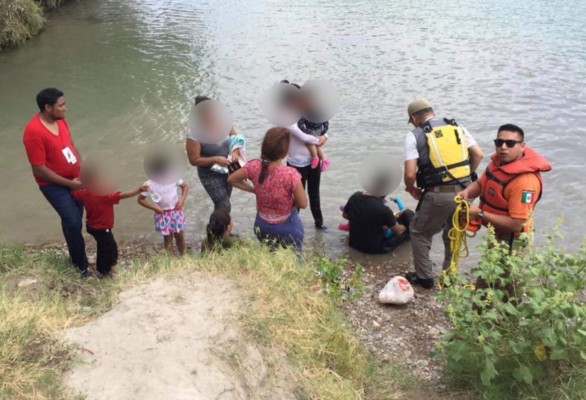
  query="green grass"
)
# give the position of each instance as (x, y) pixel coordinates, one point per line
(22, 19)
(282, 311)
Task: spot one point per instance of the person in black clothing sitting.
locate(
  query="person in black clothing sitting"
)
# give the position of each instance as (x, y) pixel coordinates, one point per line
(374, 229)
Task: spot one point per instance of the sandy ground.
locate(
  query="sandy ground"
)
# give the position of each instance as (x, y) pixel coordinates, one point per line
(173, 338)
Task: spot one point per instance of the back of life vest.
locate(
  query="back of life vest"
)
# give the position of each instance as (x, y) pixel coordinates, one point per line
(443, 153)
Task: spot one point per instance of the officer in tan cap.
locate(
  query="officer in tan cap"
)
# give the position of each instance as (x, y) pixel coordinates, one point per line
(440, 160)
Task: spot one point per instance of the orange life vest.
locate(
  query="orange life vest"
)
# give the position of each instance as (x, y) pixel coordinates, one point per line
(492, 197)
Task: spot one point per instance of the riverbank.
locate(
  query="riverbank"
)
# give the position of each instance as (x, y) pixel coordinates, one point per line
(22, 19)
(273, 319)
(248, 323)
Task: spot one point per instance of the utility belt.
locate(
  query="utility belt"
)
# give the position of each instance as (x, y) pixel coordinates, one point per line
(452, 187)
(445, 189)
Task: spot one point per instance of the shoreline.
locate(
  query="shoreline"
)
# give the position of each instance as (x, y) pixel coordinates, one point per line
(46, 300)
(393, 335)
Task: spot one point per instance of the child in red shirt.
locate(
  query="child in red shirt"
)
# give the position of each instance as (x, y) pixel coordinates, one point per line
(99, 201)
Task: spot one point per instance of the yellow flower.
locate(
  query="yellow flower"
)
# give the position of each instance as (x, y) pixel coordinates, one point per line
(540, 352)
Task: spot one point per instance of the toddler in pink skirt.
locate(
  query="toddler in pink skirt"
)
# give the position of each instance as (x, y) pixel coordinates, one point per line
(167, 204)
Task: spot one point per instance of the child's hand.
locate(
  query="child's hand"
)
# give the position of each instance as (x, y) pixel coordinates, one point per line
(145, 188)
(179, 205)
(159, 210)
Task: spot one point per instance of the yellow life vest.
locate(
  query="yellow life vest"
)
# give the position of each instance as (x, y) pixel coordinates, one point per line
(443, 153)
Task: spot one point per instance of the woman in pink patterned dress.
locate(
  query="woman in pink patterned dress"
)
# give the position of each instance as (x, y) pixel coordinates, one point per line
(278, 189)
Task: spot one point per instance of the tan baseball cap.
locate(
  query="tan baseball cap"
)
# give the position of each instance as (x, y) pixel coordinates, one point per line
(416, 106)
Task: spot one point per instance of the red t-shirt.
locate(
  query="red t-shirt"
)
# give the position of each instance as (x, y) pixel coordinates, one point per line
(55, 152)
(99, 209)
(274, 197)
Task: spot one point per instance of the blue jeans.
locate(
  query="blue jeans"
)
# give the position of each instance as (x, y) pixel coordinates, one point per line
(286, 233)
(71, 213)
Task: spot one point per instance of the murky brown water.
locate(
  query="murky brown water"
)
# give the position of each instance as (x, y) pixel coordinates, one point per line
(130, 69)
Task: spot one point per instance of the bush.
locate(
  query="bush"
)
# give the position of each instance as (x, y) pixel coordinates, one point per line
(19, 20)
(532, 346)
(50, 4)
(22, 19)
(338, 282)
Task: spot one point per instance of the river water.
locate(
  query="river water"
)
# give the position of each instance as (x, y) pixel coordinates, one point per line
(130, 69)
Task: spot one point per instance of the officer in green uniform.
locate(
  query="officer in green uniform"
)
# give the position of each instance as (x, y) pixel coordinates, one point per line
(440, 160)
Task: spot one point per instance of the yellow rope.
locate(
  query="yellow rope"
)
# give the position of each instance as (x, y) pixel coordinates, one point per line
(457, 235)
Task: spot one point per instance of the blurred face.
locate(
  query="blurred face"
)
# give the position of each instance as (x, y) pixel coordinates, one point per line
(207, 118)
(57, 110)
(295, 101)
(99, 184)
(509, 146)
(211, 121)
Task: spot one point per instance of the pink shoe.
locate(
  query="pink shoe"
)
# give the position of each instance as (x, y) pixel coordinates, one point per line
(344, 227)
(325, 164)
(314, 162)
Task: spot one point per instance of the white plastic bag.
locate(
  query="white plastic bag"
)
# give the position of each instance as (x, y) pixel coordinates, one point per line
(397, 291)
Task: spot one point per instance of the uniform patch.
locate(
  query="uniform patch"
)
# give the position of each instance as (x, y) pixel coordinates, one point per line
(491, 191)
(438, 134)
(527, 196)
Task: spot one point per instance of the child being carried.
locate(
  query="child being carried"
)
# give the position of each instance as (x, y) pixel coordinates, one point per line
(316, 129)
(237, 156)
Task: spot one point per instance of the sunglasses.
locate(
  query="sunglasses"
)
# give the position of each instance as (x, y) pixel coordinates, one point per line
(510, 142)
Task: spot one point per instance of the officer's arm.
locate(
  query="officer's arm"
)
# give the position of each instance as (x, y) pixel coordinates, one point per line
(410, 173)
(475, 153)
(471, 192)
(502, 223)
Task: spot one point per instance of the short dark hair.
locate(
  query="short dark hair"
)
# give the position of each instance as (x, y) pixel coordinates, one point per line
(512, 128)
(291, 83)
(405, 218)
(48, 96)
(201, 98)
(423, 113)
(219, 221)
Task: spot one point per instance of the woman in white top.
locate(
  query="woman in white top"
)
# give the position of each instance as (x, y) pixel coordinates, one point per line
(299, 158)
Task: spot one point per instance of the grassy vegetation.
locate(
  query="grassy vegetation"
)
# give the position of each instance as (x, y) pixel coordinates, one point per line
(286, 311)
(22, 19)
(526, 343)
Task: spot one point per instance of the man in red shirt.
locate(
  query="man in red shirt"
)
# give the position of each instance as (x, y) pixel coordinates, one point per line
(55, 163)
